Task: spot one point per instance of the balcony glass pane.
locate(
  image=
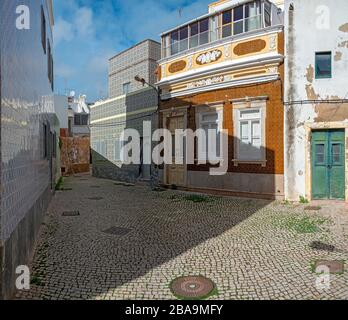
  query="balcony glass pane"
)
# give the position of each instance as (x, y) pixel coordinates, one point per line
(238, 13)
(252, 9)
(204, 25)
(227, 17)
(204, 38)
(194, 41)
(268, 19)
(175, 48)
(226, 31)
(253, 23)
(184, 33)
(183, 44)
(194, 29)
(174, 37)
(238, 27)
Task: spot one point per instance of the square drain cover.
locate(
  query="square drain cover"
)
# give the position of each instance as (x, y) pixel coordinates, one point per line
(312, 208)
(71, 213)
(117, 231)
(318, 245)
(335, 266)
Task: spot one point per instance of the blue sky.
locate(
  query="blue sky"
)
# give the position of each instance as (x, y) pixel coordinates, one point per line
(88, 32)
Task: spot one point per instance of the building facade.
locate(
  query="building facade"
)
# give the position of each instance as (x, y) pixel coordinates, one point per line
(316, 93)
(79, 117)
(128, 106)
(29, 130)
(224, 70)
(74, 141)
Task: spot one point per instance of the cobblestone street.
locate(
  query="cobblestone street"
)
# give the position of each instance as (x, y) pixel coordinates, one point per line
(130, 243)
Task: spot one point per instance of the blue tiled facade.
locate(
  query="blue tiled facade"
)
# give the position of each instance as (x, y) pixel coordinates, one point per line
(125, 110)
(28, 170)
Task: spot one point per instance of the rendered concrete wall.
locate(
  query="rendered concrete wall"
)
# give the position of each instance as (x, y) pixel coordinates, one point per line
(312, 26)
(75, 154)
(61, 109)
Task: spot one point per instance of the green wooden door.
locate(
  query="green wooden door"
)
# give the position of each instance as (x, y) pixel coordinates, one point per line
(328, 164)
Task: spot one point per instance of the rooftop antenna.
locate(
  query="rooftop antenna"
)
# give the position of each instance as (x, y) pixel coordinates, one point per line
(66, 86)
(180, 10)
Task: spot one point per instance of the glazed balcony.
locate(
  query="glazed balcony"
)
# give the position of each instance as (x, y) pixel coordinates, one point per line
(207, 49)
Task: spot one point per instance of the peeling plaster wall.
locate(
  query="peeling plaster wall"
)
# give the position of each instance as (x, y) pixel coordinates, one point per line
(312, 26)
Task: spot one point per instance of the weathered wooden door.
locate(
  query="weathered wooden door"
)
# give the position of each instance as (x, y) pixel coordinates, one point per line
(328, 164)
(175, 172)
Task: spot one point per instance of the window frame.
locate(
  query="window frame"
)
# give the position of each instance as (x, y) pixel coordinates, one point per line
(316, 153)
(45, 140)
(43, 30)
(317, 76)
(50, 66)
(54, 141)
(259, 105)
(80, 116)
(124, 85)
(201, 112)
(120, 144)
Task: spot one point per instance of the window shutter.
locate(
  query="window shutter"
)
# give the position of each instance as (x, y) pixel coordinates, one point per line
(250, 135)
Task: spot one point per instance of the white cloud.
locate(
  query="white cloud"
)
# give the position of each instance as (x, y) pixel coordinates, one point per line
(84, 22)
(64, 71)
(89, 32)
(63, 31)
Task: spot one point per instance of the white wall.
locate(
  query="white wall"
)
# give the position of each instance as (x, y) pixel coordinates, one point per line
(316, 26)
(61, 108)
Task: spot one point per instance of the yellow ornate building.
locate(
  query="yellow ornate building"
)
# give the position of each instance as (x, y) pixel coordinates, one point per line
(224, 70)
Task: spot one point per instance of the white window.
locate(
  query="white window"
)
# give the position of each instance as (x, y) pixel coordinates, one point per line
(117, 150)
(102, 148)
(126, 88)
(250, 140)
(211, 120)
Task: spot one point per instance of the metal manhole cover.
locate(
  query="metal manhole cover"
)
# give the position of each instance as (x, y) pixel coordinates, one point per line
(317, 245)
(312, 208)
(192, 287)
(65, 189)
(71, 213)
(117, 231)
(335, 266)
(96, 198)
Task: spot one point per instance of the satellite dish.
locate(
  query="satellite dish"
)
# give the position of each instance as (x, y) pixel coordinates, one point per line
(72, 93)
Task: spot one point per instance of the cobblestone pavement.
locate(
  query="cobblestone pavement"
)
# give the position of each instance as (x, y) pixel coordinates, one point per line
(251, 249)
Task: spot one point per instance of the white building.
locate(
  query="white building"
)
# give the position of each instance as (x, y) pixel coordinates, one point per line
(61, 109)
(316, 99)
(78, 117)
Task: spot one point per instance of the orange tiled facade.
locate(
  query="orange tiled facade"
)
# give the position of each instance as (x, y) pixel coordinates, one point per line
(238, 77)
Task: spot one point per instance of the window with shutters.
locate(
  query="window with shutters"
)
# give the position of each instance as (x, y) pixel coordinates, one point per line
(249, 133)
(210, 121)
